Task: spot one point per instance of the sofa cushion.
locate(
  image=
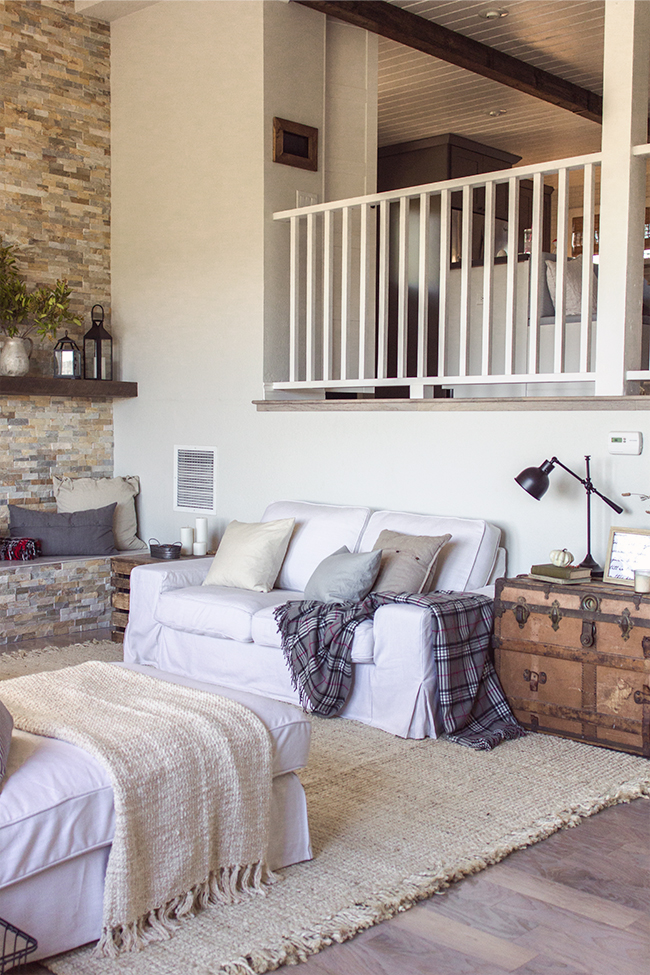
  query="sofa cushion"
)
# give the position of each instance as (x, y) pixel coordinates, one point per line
(250, 555)
(266, 634)
(407, 561)
(218, 611)
(320, 530)
(343, 577)
(465, 562)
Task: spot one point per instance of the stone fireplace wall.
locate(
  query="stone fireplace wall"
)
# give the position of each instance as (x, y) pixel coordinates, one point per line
(55, 138)
(55, 179)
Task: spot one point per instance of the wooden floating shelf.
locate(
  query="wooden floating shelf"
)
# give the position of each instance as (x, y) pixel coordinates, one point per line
(48, 386)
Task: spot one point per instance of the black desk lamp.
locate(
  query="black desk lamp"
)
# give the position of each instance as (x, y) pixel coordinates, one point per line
(535, 481)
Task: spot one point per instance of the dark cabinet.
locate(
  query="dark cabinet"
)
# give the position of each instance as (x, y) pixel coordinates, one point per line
(452, 157)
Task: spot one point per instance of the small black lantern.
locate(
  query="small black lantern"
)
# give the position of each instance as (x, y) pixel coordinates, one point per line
(98, 348)
(67, 359)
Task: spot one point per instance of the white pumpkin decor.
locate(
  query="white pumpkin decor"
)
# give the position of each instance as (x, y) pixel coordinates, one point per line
(561, 557)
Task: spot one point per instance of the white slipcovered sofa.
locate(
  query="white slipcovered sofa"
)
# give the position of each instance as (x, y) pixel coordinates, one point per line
(229, 636)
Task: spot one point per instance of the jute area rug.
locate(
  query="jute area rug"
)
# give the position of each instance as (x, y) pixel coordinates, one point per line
(392, 821)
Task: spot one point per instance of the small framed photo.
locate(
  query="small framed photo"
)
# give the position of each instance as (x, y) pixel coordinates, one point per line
(295, 144)
(628, 549)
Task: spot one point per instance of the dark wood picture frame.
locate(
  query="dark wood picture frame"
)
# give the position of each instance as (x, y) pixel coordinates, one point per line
(295, 144)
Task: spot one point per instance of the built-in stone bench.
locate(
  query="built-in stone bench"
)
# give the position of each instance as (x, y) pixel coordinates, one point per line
(54, 596)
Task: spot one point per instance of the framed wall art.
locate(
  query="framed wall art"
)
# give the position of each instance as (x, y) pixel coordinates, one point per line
(628, 549)
(295, 144)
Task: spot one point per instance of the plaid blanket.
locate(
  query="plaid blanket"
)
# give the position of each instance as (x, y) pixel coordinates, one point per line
(317, 644)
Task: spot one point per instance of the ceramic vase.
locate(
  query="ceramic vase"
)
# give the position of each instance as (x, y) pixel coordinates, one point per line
(14, 358)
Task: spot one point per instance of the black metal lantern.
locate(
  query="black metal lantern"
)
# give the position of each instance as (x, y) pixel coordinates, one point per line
(98, 348)
(67, 359)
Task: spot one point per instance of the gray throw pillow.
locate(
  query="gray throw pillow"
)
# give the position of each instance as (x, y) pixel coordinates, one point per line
(74, 533)
(343, 577)
(408, 561)
(6, 727)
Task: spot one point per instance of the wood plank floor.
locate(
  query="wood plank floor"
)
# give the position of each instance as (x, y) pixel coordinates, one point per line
(578, 903)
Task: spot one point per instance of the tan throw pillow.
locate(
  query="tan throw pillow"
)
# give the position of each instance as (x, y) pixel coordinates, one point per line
(250, 556)
(408, 561)
(573, 286)
(83, 493)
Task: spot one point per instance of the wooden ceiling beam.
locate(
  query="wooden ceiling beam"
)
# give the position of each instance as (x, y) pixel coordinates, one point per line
(424, 35)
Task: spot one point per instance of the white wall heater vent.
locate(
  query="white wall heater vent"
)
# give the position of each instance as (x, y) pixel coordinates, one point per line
(195, 479)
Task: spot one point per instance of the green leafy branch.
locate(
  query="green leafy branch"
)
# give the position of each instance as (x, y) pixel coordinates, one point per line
(43, 310)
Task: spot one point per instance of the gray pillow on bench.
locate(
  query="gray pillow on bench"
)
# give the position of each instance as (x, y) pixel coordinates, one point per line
(75, 533)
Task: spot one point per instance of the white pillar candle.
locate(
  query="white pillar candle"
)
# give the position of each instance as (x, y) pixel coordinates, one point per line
(187, 540)
(641, 580)
(200, 548)
(201, 530)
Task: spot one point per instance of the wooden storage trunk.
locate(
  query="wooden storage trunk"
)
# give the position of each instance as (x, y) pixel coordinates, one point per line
(574, 660)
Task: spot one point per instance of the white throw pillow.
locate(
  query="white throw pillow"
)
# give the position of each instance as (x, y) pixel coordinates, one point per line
(573, 285)
(84, 493)
(250, 556)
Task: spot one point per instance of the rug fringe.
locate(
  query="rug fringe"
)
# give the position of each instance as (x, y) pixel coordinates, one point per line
(228, 885)
(385, 904)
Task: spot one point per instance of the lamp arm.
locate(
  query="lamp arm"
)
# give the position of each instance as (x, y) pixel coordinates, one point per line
(586, 483)
(616, 507)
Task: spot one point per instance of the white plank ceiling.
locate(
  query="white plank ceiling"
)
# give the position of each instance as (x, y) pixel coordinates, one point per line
(420, 96)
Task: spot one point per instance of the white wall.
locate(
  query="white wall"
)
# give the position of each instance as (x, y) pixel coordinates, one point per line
(194, 86)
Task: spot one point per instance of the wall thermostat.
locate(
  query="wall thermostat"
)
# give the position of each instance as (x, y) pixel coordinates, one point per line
(625, 442)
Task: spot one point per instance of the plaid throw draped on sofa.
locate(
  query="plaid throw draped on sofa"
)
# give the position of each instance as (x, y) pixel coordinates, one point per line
(317, 644)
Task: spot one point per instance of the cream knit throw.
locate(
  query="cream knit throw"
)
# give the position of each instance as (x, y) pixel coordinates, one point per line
(191, 776)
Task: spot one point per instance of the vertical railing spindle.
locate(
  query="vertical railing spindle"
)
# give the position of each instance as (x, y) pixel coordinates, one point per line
(310, 295)
(363, 291)
(382, 310)
(328, 293)
(465, 284)
(488, 272)
(423, 286)
(402, 286)
(511, 274)
(294, 301)
(535, 262)
(345, 290)
(587, 297)
(443, 292)
(560, 269)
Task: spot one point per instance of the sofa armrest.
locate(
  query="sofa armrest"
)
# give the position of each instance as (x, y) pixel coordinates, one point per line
(148, 582)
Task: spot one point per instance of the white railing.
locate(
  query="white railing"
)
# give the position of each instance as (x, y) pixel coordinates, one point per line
(433, 286)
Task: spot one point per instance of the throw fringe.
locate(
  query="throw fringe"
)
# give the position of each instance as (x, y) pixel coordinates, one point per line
(385, 904)
(228, 885)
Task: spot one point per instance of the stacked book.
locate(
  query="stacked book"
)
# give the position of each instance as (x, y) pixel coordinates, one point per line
(563, 574)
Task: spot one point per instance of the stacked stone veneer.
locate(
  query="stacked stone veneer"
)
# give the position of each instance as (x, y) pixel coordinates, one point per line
(41, 599)
(55, 152)
(41, 436)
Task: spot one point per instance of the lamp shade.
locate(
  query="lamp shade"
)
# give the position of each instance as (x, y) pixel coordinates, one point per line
(535, 480)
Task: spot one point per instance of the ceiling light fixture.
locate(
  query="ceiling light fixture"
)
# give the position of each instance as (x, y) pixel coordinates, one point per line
(497, 112)
(493, 13)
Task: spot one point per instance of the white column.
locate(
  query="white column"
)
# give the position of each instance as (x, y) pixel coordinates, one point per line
(622, 193)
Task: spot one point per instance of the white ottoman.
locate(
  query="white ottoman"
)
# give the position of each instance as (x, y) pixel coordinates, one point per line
(57, 822)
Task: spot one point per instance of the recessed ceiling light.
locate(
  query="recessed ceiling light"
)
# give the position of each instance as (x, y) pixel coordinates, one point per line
(497, 112)
(493, 13)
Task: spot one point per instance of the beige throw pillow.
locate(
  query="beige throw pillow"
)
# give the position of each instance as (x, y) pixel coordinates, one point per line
(408, 561)
(250, 556)
(83, 493)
